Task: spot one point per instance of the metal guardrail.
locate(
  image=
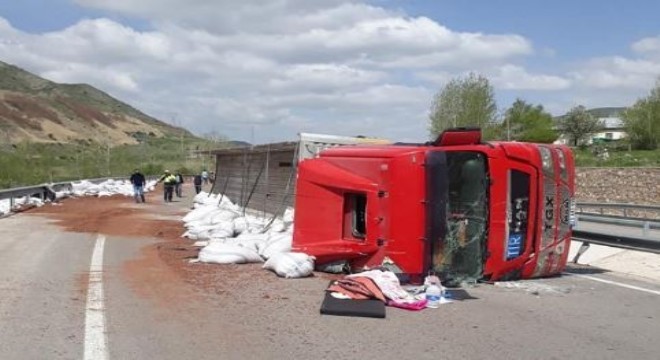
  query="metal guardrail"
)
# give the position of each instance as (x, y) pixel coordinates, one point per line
(628, 216)
(44, 191)
(624, 208)
(618, 206)
(624, 242)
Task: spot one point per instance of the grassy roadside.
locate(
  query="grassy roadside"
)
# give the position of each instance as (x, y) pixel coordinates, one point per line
(35, 163)
(618, 158)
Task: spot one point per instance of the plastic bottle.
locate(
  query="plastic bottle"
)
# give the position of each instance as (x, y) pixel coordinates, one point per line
(433, 295)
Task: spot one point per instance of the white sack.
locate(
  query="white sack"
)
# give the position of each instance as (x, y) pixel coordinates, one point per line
(251, 241)
(277, 226)
(221, 253)
(288, 215)
(221, 230)
(291, 264)
(198, 214)
(222, 216)
(277, 243)
(241, 225)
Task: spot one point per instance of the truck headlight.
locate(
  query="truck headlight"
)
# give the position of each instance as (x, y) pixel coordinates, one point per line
(546, 159)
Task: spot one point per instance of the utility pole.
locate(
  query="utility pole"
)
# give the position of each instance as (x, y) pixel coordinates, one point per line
(107, 156)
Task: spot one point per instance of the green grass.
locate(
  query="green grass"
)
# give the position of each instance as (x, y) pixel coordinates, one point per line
(35, 163)
(618, 158)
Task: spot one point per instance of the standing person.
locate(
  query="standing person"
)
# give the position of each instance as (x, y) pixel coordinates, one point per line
(197, 181)
(169, 181)
(205, 176)
(179, 184)
(138, 181)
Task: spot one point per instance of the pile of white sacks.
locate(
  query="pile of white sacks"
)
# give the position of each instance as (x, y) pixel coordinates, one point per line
(6, 208)
(107, 188)
(230, 237)
(82, 188)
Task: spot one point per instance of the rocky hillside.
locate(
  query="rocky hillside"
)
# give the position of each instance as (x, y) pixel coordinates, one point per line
(35, 109)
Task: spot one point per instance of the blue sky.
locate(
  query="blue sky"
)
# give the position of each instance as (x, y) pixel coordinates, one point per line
(334, 66)
(574, 29)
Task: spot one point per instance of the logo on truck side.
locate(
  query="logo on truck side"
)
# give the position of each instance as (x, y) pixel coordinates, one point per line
(549, 211)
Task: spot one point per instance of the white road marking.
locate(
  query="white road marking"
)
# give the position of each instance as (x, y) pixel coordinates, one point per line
(615, 283)
(96, 342)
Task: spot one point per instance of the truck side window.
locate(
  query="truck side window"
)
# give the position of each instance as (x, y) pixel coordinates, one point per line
(518, 211)
(355, 214)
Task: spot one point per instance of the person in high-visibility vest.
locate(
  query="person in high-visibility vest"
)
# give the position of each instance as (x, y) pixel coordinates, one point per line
(169, 182)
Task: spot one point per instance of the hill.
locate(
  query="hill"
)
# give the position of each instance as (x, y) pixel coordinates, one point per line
(38, 110)
(602, 112)
(606, 112)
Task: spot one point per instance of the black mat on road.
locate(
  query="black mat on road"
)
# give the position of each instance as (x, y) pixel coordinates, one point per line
(349, 307)
(458, 294)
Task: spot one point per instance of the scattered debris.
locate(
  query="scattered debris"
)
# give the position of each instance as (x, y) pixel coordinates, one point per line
(534, 287)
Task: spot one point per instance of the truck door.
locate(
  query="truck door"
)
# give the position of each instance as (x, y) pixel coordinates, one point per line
(460, 257)
(519, 239)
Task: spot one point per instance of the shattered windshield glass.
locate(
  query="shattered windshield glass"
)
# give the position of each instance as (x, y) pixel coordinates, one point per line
(460, 256)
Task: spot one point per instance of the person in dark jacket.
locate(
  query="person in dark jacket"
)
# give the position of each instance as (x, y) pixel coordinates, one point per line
(138, 181)
(169, 182)
(179, 184)
(197, 181)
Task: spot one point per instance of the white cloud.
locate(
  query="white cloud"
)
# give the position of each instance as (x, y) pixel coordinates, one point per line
(505, 77)
(114, 78)
(648, 46)
(320, 77)
(511, 77)
(285, 66)
(617, 72)
(281, 66)
(248, 17)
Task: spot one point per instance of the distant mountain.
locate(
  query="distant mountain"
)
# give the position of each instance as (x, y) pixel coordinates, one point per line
(238, 144)
(35, 109)
(603, 112)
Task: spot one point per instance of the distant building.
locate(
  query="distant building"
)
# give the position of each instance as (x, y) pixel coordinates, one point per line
(613, 129)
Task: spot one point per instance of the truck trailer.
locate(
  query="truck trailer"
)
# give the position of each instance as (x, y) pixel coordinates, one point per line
(459, 207)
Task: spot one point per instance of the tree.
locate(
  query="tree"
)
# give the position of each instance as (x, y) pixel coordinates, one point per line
(463, 102)
(642, 121)
(524, 122)
(578, 124)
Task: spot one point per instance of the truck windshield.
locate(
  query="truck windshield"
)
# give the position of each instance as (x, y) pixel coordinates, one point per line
(460, 257)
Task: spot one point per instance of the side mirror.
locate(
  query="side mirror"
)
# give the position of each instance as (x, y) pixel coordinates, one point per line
(459, 136)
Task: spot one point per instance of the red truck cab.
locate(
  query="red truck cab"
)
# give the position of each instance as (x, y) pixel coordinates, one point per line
(465, 209)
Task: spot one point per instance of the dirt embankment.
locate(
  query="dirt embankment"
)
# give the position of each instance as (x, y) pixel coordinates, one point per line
(619, 185)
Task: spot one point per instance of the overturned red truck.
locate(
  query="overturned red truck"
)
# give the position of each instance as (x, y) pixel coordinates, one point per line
(459, 207)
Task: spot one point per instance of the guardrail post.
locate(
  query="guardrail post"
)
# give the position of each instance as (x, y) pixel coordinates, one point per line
(645, 230)
(583, 248)
(625, 212)
(11, 203)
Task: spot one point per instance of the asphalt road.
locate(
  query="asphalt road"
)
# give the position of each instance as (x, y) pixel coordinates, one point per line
(151, 312)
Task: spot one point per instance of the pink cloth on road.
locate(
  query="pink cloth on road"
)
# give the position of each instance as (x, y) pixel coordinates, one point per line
(388, 283)
(414, 306)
